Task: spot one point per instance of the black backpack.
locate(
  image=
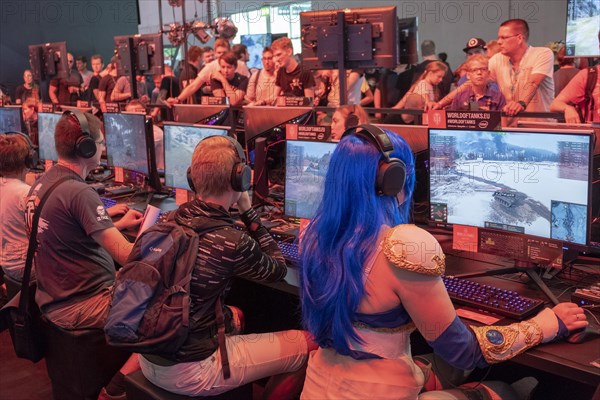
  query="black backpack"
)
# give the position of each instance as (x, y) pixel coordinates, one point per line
(150, 307)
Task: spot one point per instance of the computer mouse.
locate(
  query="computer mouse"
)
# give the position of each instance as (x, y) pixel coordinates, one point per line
(588, 333)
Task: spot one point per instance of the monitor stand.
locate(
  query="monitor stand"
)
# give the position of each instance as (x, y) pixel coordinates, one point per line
(520, 266)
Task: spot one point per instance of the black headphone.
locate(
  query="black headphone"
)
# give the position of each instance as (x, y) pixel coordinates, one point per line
(351, 119)
(241, 174)
(85, 146)
(32, 158)
(391, 171)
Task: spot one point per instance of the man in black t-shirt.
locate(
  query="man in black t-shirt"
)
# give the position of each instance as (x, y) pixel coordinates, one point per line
(291, 79)
(107, 84)
(93, 87)
(66, 91)
(189, 71)
(228, 83)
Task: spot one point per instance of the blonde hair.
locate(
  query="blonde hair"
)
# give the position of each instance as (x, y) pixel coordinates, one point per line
(282, 43)
(212, 164)
(476, 58)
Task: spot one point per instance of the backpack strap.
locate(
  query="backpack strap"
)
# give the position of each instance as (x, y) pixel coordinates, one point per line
(592, 78)
(221, 338)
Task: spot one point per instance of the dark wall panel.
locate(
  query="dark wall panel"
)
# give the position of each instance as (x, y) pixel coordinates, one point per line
(87, 26)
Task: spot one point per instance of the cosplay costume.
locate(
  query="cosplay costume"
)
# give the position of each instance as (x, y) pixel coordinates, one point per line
(382, 366)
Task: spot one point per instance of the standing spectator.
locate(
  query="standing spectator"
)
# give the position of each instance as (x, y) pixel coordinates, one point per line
(205, 75)
(107, 84)
(123, 92)
(566, 72)
(424, 90)
(228, 83)
(97, 66)
(391, 86)
(524, 73)
(189, 71)
(86, 74)
(580, 99)
(474, 46)
(262, 88)
(292, 79)
(28, 89)
(66, 91)
(208, 55)
(428, 53)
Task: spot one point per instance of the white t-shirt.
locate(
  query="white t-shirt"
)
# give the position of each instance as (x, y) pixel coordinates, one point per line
(513, 82)
(13, 234)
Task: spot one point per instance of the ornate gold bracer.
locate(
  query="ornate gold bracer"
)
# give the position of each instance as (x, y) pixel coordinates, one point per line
(500, 343)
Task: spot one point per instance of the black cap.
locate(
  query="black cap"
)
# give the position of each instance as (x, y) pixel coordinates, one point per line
(474, 43)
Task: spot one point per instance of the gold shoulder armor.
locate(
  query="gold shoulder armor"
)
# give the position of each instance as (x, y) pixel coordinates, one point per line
(414, 249)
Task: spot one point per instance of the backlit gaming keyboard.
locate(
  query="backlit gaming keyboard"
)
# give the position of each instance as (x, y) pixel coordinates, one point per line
(108, 203)
(290, 253)
(503, 302)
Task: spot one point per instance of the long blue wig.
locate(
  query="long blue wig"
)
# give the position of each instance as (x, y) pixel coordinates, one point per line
(343, 235)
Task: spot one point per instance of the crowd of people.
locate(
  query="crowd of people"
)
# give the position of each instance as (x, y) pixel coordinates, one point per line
(361, 290)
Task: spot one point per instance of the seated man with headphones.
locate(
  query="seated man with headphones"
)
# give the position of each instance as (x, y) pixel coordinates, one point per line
(77, 238)
(17, 156)
(211, 361)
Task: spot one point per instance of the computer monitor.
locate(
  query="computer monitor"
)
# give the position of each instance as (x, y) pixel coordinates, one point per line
(140, 54)
(126, 141)
(49, 60)
(202, 114)
(261, 120)
(517, 182)
(180, 142)
(583, 20)
(46, 127)
(408, 37)
(306, 165)
(369, 37)
(11, 119)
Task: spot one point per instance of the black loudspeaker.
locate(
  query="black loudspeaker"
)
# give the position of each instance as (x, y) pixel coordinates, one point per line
(391, 172)
(241, 173)
(32, 158)
(351, 119)
(85, 146)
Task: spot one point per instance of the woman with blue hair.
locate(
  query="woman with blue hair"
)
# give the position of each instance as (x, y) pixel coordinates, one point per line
(369, 278)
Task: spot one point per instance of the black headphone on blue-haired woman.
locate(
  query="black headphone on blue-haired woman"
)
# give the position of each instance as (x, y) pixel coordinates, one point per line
(391, 171)
(241, 173)
(32, 158)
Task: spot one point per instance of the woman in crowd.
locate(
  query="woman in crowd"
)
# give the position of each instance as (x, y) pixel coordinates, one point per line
(369, 278)
(424, 90)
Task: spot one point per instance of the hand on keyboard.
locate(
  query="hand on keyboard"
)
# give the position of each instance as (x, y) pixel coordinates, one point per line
(117, 209)
(131, 219)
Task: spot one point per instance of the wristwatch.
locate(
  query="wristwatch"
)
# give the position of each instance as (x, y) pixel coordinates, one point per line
(522, 104)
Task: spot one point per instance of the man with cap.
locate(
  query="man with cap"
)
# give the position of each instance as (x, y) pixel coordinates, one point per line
(474, 46)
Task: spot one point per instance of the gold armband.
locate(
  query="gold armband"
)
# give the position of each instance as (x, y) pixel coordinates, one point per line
(500, 343)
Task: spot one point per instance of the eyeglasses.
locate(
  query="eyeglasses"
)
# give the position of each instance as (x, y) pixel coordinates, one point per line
(482, 70)
(507, 37)
(102, 142)
(267, 58)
